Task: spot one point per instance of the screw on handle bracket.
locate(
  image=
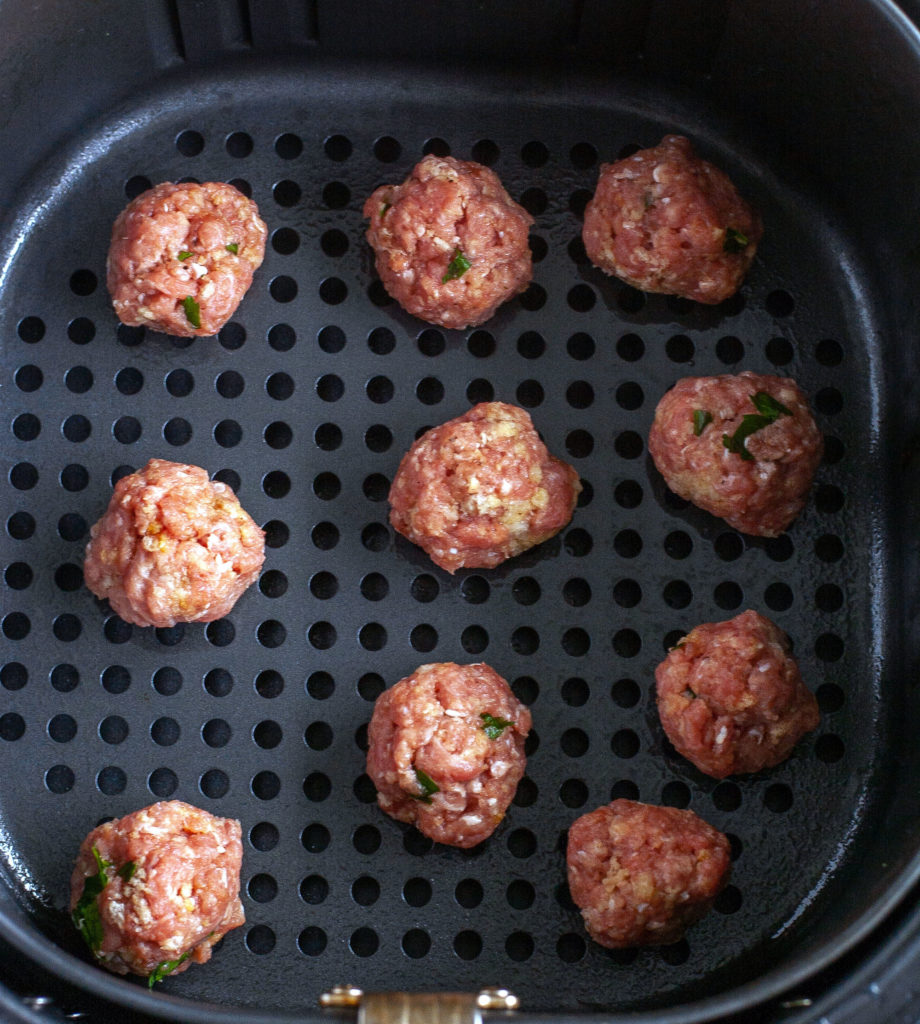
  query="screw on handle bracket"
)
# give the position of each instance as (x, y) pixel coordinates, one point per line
(419, 1007)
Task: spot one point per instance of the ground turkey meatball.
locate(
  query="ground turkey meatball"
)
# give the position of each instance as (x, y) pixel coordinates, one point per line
(173, 546)
(451, 243)
(183, 256)
(743, 447)
(731, 698)
(641, 875)
(664, 220)
(446, 751)
(481, 488)
(153, 892)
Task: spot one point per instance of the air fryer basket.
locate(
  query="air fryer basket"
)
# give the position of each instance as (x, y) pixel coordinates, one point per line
(305, 403)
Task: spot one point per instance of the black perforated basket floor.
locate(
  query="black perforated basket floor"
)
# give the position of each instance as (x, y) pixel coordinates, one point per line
(304, 404)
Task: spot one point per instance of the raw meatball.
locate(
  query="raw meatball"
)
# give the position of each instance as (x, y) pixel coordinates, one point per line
(173, 546)
(641, 875)
(731, 698)
(446, 751)
(451, 243)
(664, 220)
(481, 488)
(183, 256)
(168, 889)
(742, 447)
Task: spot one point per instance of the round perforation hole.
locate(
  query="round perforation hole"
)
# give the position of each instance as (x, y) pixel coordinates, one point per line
(262, 888)
(534, 200)
(727, 796)
(114, 729)
(336, 195)
(167, 681)
(416, 943)
(216, 733)
(111, 780)
(82, 330)
(581, 298)
(162, 783)
(29, 378)
(62, 728)
(534, 154)
(676, 794)
(264, 836)
(16, 626)
(680, 348)
(424, 638)
(829, 352)
(630, 348)
(628, 593)
(779, 351)
(729, 900)
(314, 889)
(269, 684)
(115, 679)
(728, 595)
(280, 386)
(374, 587)
(266, 785)
(534, 297)
(18, 575)
(780, 303)
(625, 693)
(83, 282)
(387, 149)
(165, 732)
(169, 636)
(570, 948)
(830, 697)
(12, 727)
(676, 954)
(214, 784)
(625, 743)
(481, 344)
(238, 144)
(583, 155)
(778, 798)
(59, 779)
(729, 350)
(520, 946)
(260, 940)
(467, 944)
(21, 526)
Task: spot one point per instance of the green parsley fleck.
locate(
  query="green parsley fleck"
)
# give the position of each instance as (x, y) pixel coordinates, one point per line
(184, 254)
(192, 311)
(428, 786)
(768, 406)
(102, 864)
(492, 726)
(768, 411)
(166, 967)
(384, 207)
(701, 420)
(85, 916)
(735, 240)
(233, 247)
(457, 267)
(126, 871)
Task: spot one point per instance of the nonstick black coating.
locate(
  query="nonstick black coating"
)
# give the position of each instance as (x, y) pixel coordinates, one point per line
(305, 403)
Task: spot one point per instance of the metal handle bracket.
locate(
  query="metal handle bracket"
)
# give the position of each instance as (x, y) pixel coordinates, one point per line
(419, 1007)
